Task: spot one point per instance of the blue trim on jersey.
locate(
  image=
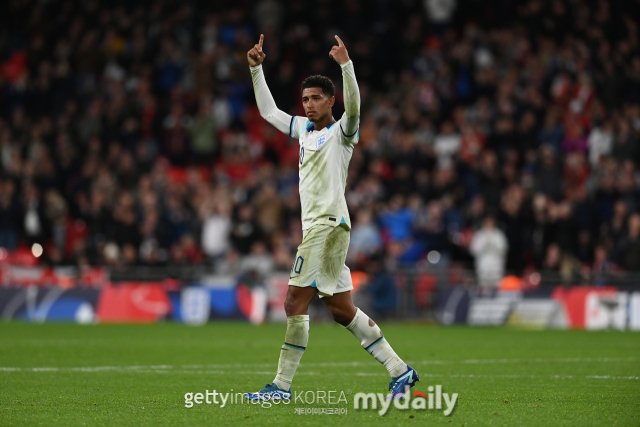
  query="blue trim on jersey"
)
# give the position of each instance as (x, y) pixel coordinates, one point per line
(349, 136)
(342, 221)
(293, 119)
(373, 344)
(313, 285)
(297, 347)
(329, 127)
(310, 126)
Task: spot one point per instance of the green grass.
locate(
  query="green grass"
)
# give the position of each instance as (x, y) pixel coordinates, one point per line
(503, 376)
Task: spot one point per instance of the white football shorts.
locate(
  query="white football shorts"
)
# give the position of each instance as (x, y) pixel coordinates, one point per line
(319, 262)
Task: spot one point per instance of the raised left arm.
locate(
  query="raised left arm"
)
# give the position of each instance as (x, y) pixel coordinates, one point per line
(351, 119)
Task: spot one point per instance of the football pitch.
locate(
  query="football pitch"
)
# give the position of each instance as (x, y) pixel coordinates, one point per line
(66, 374)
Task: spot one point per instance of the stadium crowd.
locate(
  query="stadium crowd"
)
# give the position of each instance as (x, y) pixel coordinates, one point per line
(129, 134)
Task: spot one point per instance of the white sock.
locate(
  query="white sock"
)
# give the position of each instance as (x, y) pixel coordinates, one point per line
(295, 342)
(373, 341)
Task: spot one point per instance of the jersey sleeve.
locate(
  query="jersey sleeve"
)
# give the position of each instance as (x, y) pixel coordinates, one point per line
(346, 137)
(297, 126)
(350, 121)
(266, 104)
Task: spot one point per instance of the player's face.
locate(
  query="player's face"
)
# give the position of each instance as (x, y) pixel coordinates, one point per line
(316, 104)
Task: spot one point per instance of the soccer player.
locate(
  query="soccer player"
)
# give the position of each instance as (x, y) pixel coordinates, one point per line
(325, 151)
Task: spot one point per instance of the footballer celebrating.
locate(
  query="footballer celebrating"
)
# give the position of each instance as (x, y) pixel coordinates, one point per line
(326, 147)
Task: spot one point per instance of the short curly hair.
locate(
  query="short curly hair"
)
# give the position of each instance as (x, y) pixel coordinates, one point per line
(322, 82)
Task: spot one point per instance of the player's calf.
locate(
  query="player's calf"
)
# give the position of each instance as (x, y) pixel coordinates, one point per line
(341, 315)
(341, 307)
(372, 340)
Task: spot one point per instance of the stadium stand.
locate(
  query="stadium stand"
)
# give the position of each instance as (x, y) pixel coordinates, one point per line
(129, 135)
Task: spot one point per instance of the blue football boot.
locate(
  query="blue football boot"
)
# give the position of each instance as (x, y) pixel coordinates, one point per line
(401, 385)
(269, 392)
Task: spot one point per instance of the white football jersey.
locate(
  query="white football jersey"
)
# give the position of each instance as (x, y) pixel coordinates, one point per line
(324, 160)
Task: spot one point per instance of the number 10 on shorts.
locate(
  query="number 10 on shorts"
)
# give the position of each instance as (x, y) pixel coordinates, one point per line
(297, 265)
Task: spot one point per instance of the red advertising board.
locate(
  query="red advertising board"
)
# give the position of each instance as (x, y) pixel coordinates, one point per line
(133, 302)
(574, 301)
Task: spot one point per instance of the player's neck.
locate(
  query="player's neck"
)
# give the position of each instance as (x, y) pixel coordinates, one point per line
(324, 122)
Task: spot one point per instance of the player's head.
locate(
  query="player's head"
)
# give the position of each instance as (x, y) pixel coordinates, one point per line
(489, 222)
(318, 96)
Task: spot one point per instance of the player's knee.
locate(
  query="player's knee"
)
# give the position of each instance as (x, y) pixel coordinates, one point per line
(289, 307)
(293, 306)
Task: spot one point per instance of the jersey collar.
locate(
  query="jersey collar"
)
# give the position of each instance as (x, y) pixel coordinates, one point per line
(311, 128)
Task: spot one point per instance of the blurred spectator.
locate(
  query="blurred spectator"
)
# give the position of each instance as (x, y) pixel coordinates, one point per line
(600, 142)
(259, 263)
(215, 230)
(245, 231)
(431, 228)
(34, 217)
(551, 132)
(380, 288)
(489, 247)
(365, 238)
(602, 266)
(629, 246)
(56, 212)
(176, 134)
(548, 176)
(129, 254)
(625, 144)
(204, 135)
(270, 208)
(440, 13)
(9, 216)
(191, 250)
(230, 265)
(397, 219)
(446, 143)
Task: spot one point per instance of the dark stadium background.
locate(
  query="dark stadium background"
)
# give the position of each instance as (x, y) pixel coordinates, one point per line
(131, 147)
(494, 196)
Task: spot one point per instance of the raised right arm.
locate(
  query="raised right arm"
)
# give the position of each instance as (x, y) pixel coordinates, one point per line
(267, 106)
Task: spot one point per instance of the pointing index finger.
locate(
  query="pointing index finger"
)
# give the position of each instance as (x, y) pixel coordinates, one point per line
(339, 42)
(261, 40)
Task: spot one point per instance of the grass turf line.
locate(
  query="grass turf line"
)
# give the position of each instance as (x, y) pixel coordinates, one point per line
(503, 376)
